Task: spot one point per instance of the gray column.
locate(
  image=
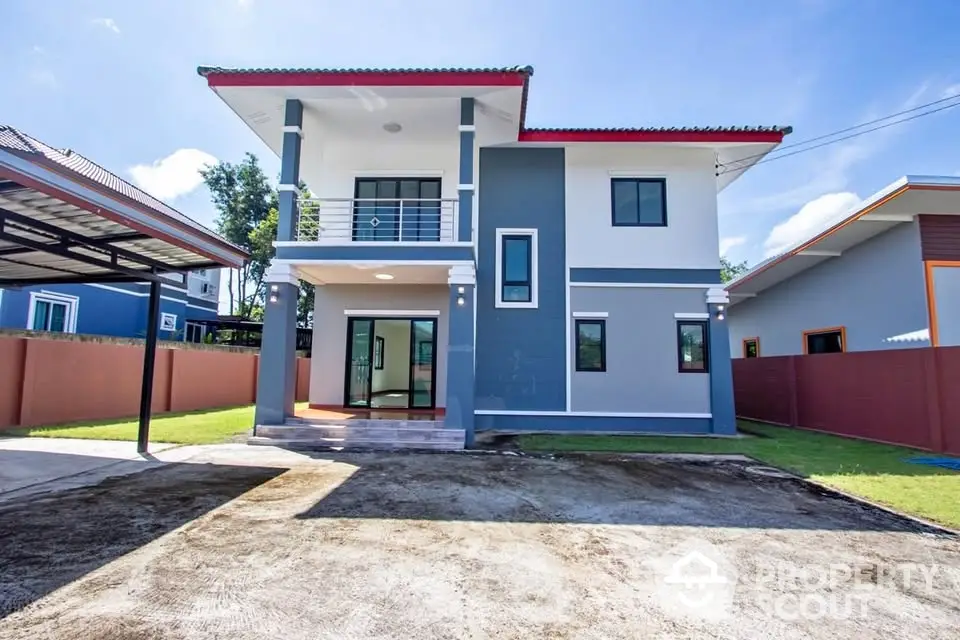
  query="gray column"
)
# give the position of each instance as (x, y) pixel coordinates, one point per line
(289, 170)
(460, 355)
(277, 375)
(721, 373)
(466, 189)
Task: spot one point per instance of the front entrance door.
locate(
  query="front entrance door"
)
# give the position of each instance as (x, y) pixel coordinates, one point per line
(391, 363)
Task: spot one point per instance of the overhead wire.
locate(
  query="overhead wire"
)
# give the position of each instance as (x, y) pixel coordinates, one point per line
(742, 162)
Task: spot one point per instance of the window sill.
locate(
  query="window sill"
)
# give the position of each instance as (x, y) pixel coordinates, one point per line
(500, 304)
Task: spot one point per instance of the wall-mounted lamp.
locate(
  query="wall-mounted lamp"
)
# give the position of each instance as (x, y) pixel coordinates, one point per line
(460, 300)
(460, 290)
(274, 293)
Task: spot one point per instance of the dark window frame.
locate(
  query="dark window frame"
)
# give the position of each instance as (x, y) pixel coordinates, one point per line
(705, 324)
(613, 202)
(756, 347)
(603, 344)
(504, 283)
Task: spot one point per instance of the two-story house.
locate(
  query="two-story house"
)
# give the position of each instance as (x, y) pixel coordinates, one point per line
(515, 278)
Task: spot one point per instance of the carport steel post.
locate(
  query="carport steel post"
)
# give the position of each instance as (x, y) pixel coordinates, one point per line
(149, 358)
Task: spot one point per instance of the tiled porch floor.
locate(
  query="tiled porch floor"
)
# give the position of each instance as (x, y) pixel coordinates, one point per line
(367, 414)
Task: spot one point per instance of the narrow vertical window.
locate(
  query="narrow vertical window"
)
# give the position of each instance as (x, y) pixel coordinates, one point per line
(751, 347)
(591, 345)
(692, 346)
(516, 268)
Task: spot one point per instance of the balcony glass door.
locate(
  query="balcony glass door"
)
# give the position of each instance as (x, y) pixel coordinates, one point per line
(392, 209)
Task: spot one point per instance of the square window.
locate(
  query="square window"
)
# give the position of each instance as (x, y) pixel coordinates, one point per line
(516, 268)
(168, 322)
(825, 341)
(692, 346)
(591, 345)
(639, 202)
(52, 312)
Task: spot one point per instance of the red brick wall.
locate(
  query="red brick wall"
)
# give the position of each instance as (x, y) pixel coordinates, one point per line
(904, 396)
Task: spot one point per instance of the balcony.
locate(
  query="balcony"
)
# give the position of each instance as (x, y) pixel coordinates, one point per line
(345, 221)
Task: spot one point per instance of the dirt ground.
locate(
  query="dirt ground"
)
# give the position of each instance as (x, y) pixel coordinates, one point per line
(281, 545)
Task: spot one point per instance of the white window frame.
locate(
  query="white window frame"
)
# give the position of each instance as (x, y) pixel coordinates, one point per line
(534, 270)
(187, 324)
(72, 303)
(165, 317)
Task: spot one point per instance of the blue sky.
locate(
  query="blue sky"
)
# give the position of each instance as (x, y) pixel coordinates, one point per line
(116, 80)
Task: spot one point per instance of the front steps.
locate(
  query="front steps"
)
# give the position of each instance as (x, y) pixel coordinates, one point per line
(316, 434)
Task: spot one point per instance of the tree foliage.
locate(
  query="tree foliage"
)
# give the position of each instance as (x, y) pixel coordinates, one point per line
(243, 197)
(248, 215)
(731, 270)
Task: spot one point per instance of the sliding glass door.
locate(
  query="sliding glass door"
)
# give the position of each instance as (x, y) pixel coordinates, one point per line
(391, 363)
(392, 209)
(423, 359)
(359, 359)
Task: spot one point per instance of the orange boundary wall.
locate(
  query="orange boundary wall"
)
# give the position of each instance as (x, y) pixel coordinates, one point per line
(49, 381)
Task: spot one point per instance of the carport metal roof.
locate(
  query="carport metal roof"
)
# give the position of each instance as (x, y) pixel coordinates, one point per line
(65, 219)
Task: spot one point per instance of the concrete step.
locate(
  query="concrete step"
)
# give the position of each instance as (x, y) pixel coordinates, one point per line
(333, 444)
(366, 422)
(350, 433)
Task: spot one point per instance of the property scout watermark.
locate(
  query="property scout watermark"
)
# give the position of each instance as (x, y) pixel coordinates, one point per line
(696, 580)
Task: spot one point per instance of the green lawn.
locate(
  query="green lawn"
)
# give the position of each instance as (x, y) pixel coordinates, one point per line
(875, 471)
(197, 427)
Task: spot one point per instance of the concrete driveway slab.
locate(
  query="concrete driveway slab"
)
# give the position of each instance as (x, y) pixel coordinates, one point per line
(31, 462)
(240, 543)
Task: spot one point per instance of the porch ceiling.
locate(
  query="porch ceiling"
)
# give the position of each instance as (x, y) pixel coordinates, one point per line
(367, 274)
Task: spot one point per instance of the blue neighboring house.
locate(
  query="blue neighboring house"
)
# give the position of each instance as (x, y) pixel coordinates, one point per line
(117, 309)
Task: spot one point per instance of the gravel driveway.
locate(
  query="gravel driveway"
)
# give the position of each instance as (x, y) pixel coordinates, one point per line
(237, 544)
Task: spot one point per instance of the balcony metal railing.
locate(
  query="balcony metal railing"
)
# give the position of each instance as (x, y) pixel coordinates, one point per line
(377, 220)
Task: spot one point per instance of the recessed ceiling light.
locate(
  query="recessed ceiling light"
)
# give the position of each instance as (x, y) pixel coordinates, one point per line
(392, 127)
(383, 276)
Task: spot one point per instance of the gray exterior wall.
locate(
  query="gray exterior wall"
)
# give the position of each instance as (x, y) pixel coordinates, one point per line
(946, 289)
(642, 370)
(329, 354)
(875, 289)
(521, 354)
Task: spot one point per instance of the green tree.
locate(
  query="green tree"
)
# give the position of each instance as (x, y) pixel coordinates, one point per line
(730, 270)
(262, 251)
(243, 197)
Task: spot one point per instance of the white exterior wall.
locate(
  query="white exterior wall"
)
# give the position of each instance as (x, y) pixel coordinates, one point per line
(196, 281)
(330, 168)
(329, 355)
(689, 241)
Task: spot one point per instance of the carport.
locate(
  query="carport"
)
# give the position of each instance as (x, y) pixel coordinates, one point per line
(66, 220)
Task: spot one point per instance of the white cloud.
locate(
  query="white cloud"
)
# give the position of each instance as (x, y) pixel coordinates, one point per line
(815, 216)
(952, 90)
(176, 175)
(107, 23)
(43, 78)
(37, 49)
(244, 4)
(729, 243)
